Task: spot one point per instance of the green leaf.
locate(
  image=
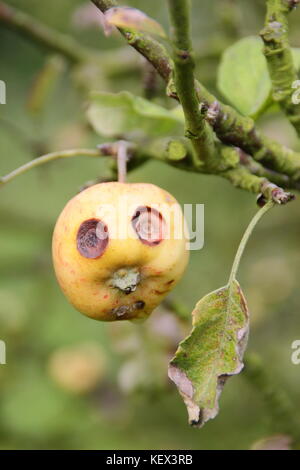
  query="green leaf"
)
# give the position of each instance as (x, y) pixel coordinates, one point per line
(132, 18)
(243, 76)
(215, 348)
(212, 353)
(115, 114)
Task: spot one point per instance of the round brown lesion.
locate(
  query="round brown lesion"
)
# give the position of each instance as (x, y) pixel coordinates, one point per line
(92, 238)
(149, 225)
(127, 311)
(140, 304)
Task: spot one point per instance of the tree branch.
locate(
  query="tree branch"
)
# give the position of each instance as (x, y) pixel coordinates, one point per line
(48, 158)
(176, 152)
(259, 170)
(179, 153)
(279, 57)
(243, 179)
(148, 47)
(240, 131)
(197, 128)
(229, 125)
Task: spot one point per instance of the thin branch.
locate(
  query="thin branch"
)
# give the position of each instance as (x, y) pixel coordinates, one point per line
(241, 178)
(48, 158)
(122, 161)
(243, 243)
(148, 47)
(197, 128)
(279, 58)
(176, 152)
(230, 126)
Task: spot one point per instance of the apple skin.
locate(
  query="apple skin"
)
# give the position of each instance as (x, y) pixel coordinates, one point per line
(88, 282)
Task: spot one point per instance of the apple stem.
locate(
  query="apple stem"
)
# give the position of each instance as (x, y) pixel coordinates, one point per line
(122, 161)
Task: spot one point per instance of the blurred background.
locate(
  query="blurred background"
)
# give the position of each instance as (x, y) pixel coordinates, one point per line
(73, 383)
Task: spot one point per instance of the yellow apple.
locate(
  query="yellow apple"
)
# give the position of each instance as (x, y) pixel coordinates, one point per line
(119, 248)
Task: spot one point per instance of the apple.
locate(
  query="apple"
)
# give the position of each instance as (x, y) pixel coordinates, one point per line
(119, 248)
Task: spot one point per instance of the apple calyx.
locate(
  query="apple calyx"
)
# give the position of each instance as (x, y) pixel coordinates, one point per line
(126, 279)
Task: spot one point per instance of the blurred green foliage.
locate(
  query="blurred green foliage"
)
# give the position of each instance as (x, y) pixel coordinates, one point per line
(38, 409)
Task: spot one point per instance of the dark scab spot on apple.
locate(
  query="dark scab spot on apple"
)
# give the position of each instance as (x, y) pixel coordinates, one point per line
(92, 238)
(129, 289)
(122, 310)
(127, 310)
(149, 225)
(139, 304)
